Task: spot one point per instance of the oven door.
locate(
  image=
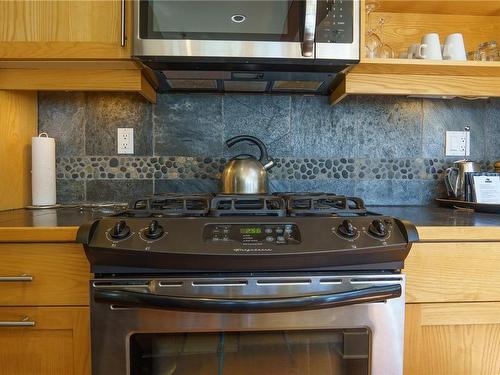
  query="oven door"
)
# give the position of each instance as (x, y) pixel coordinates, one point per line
(226, 28)
(304, 325)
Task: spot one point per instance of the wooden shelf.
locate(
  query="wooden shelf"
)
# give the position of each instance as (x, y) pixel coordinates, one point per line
(428, 67)
(456, 7)
(405, 23)
(421, 77)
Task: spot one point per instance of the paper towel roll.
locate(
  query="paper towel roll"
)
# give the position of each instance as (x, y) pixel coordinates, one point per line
(43, 170)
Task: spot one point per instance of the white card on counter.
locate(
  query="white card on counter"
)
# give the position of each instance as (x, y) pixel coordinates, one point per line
(487, 189)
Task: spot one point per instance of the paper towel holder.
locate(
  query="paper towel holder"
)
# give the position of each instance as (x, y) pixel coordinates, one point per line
(44, 205)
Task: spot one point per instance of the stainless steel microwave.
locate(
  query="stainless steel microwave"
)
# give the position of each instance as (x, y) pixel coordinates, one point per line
(299, 38)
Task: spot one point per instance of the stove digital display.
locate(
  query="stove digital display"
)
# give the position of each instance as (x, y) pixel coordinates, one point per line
(255, 230)
(252, 234)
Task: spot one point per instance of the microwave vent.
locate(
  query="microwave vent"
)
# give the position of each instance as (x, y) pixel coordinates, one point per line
(192, 84)
(245, 86)
(312, 86)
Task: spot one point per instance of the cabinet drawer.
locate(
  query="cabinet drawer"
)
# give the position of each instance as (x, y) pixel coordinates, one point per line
(453, 272)
(59, 274)
(44, 340)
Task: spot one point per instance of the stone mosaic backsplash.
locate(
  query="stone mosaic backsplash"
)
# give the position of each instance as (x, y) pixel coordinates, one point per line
(183, 167)
(387, 150)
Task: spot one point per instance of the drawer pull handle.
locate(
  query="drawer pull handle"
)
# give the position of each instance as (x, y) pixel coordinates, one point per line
(15, 279)
(24, 322)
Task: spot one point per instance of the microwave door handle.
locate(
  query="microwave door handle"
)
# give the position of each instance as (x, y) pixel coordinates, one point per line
(201, 304)
(309, 28)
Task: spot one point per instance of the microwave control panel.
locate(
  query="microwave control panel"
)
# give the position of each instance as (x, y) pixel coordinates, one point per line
(334, 21)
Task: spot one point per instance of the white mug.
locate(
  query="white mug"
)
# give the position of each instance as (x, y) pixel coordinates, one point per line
(454, 47)
(430, 48)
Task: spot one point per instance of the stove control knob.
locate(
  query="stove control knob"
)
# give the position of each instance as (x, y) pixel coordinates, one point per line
(120, 230)
(346, 229)
(154, 230)
(378, 229)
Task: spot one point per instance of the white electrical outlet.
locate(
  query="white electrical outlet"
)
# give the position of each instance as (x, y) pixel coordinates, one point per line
(125, 140)
(457, 142)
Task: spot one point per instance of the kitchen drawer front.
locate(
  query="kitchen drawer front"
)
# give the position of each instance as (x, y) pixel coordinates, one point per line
(453, 272)
(44, 340)
(43, 274)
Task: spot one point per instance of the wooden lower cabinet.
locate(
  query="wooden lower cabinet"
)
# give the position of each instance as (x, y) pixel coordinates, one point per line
(452, 339)
(44, 312)
(57, 344)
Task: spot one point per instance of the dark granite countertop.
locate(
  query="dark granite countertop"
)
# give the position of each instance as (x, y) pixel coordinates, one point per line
(439, 216)
(419, 215)
(57, 217)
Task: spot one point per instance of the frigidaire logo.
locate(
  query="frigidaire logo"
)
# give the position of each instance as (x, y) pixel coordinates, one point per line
(239, 250)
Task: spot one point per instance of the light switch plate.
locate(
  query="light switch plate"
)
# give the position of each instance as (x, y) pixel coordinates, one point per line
(125, 140)
(456, 142)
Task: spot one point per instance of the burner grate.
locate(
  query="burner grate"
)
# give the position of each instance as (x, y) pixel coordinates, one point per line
(323, 204)
(247, 205)
(277, 204)
(170, 204)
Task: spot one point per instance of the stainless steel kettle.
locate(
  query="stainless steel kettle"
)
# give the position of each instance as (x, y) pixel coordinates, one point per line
(454, 178)
(244, 174)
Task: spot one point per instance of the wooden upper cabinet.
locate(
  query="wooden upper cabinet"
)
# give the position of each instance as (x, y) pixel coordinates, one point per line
(65, 29)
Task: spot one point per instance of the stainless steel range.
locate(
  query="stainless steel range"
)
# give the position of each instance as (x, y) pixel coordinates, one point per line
(302, 284)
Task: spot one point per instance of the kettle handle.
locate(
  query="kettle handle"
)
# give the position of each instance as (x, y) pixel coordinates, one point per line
(451, 181)
(264, 157)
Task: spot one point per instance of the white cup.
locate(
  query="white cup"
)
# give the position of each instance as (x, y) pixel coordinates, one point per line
(430, 48)
(454, 47)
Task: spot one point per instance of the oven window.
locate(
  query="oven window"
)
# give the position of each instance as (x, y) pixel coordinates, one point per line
(276, 20)
(325, 352)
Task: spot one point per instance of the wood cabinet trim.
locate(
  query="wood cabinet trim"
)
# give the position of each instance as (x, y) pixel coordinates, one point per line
(38, 234)
(18, 123)
(459, 234)
(72, 79)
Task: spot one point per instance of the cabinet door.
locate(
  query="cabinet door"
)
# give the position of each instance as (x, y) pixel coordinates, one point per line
(57, 344)
(452, 339)
(69, 29)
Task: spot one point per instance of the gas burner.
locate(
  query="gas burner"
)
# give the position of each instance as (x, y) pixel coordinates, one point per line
(170, 204)
(247, 205)
(322, 204)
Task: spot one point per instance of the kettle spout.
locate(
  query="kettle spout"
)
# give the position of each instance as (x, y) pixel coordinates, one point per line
(269, 165)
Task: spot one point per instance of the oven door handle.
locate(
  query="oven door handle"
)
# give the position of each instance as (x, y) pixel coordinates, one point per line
(127, 298)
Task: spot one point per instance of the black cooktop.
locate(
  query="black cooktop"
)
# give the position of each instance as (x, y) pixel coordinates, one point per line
(251, 233)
